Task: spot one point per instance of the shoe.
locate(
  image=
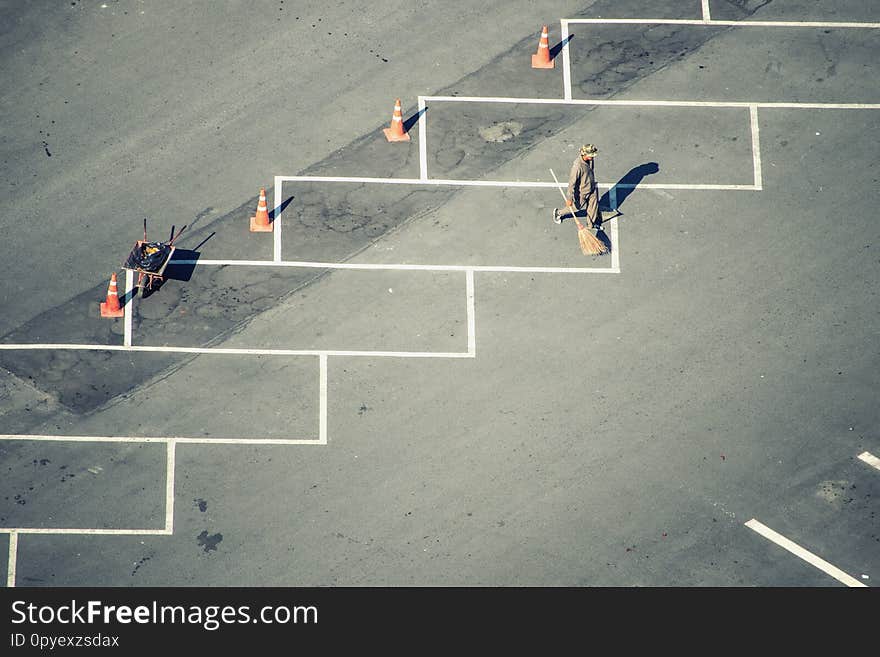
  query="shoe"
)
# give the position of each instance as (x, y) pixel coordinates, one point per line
(556, 219)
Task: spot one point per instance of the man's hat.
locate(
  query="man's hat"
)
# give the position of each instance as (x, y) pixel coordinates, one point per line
(589, 150)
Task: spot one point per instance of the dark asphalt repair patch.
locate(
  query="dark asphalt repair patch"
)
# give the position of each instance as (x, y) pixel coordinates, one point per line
(327, 225)
(209, 542)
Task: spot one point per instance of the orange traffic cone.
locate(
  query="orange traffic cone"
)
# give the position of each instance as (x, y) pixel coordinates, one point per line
(111, 307)
(260, 221)
(396, 132)
(541, 59)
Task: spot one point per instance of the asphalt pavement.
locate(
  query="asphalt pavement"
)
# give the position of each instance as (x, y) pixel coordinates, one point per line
(410, 383)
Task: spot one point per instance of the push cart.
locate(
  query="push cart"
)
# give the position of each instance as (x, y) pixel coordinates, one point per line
(149, 260)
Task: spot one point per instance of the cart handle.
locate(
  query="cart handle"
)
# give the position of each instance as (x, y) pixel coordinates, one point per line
(178, 235)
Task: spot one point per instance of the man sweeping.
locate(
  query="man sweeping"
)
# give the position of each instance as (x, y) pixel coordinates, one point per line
(583, 193)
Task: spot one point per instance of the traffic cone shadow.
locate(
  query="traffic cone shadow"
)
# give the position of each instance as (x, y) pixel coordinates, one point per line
(275, 212)
(413, 119)
(555, 50)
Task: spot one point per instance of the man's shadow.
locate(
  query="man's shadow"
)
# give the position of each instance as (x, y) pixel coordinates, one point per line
(611, 200)
(614, 197)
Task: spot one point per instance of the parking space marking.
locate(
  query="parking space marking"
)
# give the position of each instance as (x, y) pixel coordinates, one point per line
(160, 439)
(705, 21)
(423, 150)
(276, 224)
(230, 351)
(756, 146)
(804, 554)
(172, 441)
(169, 486)
(566, 60)
(129, 288)
(720, 23)
(870, 459)
(516, 183)
(84, 531)
(322, 400)
(612, 101)
(13, 554)
(752, 107)
(471, 315)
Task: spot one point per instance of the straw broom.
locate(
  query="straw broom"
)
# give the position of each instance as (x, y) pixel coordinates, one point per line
(590, 244)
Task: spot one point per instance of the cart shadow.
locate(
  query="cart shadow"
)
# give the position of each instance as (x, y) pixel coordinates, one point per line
(179, 268)
(182, 264)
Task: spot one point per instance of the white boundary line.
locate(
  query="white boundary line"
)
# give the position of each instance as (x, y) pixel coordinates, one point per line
(756, 146)
(648, 103)
(157, 439)
(500, 183)
(615, 233)
(423, 139)
(169, 486)
(129, 305)
(13, 558)
(704, 23)
(232, 351)
(806, 555)
(84, 530)
(566, 60)
(399, 267)
(471, 315)
(870, 459)
(707, 17)
(322, 399)
(172, 441)
(276, 221)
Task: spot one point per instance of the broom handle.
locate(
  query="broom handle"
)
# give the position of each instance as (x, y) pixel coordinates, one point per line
(571, 210)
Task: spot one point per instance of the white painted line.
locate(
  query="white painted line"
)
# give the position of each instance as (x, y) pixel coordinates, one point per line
(322, 404)
(615, 233)
(129, 305)
(395, 267)
(83, 439)
(870, 459)
(505, 183)
(276, 221)
(706, 15)
(647, 103)
(169, 487)
(471, 315)
(249, 441)
(84, 530)
(241, 351)
(806, 555)
(13, 558)
(686, 21)
(756, 146)
(423, 139)
(822, 106)
(154, 439)
(566, 60)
